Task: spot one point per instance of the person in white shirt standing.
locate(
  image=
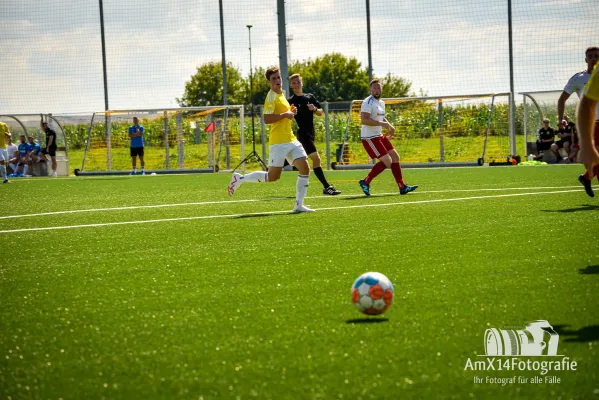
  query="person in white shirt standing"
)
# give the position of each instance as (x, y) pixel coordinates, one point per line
(576, 84)
(378, 146)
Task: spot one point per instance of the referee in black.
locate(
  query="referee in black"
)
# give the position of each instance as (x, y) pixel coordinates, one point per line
(307, 106)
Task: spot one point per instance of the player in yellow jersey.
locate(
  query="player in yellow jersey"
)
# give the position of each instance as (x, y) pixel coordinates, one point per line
(588, 131)
(282, 144)
(4, 134)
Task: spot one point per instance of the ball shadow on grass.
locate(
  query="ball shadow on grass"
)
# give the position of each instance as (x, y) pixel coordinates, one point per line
(366, 320)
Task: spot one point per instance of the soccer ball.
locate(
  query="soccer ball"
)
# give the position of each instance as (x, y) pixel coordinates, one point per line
(372, 293)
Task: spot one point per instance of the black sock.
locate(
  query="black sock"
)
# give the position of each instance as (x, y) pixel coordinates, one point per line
(320, 175)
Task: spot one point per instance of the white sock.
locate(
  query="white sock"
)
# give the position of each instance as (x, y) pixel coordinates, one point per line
(258, 176)
(133, 170)
(301, 188)
(25, 168)
(13, 167)
(3, 171)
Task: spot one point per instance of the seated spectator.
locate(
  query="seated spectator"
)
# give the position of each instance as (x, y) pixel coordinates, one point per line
(13, 155)
(546, 140)
(23, 149)
(574, 146)
(33, 154)
(565, 139)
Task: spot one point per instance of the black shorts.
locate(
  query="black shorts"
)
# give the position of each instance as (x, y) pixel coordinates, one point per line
(543, 145)
(137, 151)
(307, 141)
(560, 143)
(51, 152)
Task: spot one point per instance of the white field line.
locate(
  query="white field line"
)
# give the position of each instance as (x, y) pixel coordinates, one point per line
(203, 203)
(284, 211)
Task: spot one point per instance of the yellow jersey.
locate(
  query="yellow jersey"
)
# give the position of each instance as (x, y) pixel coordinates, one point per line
(280, 131)
(3, 131)
(591, 89)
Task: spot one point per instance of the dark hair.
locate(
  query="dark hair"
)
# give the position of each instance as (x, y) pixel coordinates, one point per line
(372, 82)
(270, 71)
(591, 48)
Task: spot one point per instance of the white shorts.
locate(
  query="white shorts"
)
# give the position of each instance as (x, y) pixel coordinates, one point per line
(3, 155)
(290, 151)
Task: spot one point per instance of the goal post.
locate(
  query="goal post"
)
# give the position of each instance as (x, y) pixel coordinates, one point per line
(464, 130)
(176, 140)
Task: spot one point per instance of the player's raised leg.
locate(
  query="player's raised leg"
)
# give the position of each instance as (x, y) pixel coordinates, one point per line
(253, 177)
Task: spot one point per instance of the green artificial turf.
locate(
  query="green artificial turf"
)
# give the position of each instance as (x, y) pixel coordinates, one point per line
(257, 304)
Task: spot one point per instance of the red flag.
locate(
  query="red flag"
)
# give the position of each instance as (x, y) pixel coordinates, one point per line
(210, 127)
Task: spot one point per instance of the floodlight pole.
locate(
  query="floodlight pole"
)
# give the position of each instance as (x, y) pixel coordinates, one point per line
(512, 129)
(251, 84)
(253, 153)
(369, 41)
(103, 56)
(222, 46)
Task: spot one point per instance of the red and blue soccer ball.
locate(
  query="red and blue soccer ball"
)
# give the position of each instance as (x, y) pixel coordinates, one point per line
(372, 293)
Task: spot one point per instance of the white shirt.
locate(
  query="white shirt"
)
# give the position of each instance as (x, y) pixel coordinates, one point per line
(376, 109)
(576, 84)
(11, 149)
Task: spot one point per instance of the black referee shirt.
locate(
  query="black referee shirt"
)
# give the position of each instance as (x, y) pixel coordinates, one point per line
(304, 117)
(50, 132)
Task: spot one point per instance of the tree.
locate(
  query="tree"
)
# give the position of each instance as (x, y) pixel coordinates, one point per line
(395, 86)
(205, 88)
(331, 77)
(260, 89)
(334, 77)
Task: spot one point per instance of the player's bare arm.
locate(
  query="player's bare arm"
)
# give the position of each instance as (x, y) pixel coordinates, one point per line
(367, 120)
(586, 120)
(561, 107)
(315, 110)
(272, 118)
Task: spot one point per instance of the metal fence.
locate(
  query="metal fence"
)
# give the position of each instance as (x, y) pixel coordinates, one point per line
(52, 58)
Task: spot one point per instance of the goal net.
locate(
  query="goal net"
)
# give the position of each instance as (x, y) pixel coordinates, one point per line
(176, 140)
(436, 131)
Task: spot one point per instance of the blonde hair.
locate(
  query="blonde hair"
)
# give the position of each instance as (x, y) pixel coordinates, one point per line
(294, 76)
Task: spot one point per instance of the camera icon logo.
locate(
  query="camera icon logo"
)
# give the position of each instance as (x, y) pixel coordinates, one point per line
(536, 339)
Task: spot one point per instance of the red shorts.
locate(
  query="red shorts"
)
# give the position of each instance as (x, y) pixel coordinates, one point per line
(377, 147)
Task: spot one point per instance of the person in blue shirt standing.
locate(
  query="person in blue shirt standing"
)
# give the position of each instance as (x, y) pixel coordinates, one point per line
(136, 135)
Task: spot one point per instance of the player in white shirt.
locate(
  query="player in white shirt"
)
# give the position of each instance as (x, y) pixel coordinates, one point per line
(576, 84)
(13, 154)
(378, 146)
